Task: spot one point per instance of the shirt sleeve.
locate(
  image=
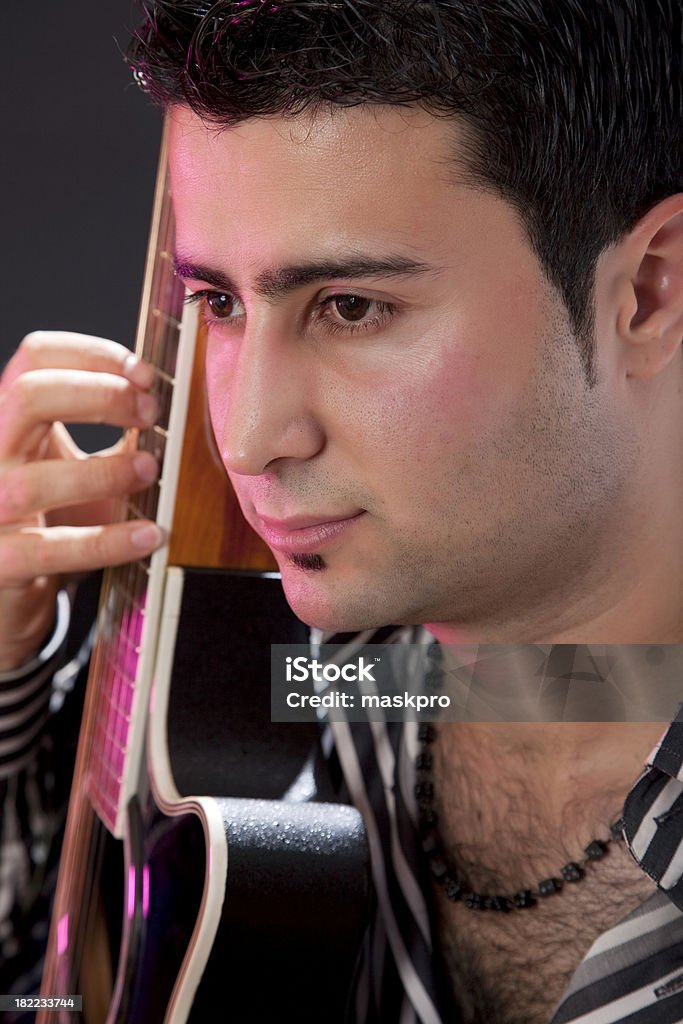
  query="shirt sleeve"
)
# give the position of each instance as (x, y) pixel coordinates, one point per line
(25, 695)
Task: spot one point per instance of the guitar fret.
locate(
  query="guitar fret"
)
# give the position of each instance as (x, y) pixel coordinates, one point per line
(161, 347)
(105, 803)
(145, 507)
(167, 297)
(113, 723)
(121, 673)
(164, 376)
(167, 318)
(162, 390)
(126, 700)
(132, 586)
(166, 238)
(121, 660)
(135, 605)
(133, 648)
(138, 512)
(117, 719)
(131, 624)
(154, 443)
(112, 754)
(113, 749)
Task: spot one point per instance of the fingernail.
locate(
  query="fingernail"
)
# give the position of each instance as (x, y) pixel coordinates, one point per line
(147, 408)
(146, 467)
(147, 537)
(138, 372)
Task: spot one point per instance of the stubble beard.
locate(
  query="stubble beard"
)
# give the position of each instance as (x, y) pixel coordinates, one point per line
(307, 562)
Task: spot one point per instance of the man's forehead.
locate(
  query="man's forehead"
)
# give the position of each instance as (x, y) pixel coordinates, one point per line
(274, 192)
(376, 184)
(367, 138)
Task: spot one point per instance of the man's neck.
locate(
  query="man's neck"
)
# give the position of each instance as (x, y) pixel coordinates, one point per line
(574, 777)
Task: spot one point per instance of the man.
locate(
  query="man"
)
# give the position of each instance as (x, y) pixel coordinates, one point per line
(439, 247)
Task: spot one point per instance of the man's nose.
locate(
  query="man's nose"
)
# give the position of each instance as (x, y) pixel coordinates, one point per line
(268, 410)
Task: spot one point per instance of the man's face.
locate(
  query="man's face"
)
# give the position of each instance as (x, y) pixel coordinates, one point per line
(394, 386)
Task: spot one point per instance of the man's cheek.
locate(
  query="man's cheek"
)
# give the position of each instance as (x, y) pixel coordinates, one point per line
(437, 414)
(217, 379)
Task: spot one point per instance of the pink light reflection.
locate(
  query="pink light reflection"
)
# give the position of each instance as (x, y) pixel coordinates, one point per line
(131, 892)
(145, 890)
(63, 935)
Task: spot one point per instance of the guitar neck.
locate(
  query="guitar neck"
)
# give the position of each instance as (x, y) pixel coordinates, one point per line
(194, 504)
(132, 594)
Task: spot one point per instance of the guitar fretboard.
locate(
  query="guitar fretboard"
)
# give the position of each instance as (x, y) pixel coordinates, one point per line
(126, 630)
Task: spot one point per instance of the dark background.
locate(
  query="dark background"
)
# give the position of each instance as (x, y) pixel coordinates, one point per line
(78, 154)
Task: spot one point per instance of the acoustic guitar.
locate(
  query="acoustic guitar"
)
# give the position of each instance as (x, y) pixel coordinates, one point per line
(246, 902)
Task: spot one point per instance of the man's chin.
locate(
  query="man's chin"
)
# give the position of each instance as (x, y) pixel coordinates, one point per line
(320, 606)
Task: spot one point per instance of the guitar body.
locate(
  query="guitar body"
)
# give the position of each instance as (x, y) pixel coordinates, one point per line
(296, 893)
(167, 901)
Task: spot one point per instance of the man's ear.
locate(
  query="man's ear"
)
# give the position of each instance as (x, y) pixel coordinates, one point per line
(651, 314)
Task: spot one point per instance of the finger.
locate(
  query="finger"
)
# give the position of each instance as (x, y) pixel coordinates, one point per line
(69, 351)
(61, 445)
(49, 551)
(39, 397)
(37, 487)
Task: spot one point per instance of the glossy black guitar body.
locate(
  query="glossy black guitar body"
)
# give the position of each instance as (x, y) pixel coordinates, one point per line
(297, 881)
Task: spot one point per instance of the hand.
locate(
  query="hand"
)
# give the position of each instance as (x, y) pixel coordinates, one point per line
(56, 502)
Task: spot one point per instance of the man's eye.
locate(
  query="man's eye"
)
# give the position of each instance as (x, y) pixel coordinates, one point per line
(351, 314)
(351, 307)
(217, 306)
(221, 304)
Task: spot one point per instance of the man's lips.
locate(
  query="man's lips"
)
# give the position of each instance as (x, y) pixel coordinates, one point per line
(302, 534)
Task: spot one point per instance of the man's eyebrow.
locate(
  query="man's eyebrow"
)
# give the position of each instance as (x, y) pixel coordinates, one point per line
(275, 284)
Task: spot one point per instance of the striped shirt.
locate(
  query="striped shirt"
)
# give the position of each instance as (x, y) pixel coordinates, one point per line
(632, 973)
(32, 808)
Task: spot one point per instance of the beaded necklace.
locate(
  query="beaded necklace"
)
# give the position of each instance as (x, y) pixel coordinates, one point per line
(456, 889)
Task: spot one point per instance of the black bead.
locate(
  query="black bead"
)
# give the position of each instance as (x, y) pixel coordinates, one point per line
(524, 898)
(437, 867)
(426, 733)
(454, 890)
(572, 872)
(428, 818)
(549, 886)
(424, 790)
(596, 849)
(474, 901)
(615, 830)
(501, 903)
(423, 762)
(434, 680)
(429, 844)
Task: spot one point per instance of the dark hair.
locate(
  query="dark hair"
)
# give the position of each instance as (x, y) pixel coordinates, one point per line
(573, 108)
